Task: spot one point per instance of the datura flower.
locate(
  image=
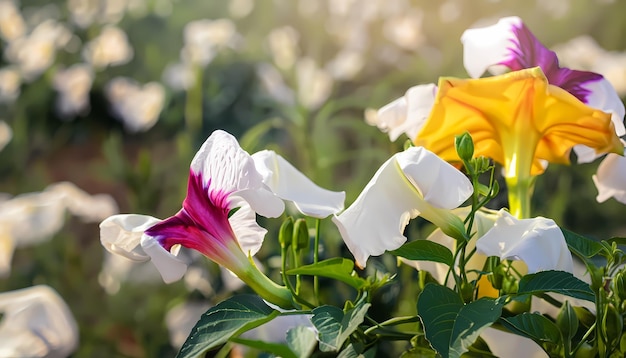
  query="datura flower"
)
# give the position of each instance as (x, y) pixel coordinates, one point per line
(411, 183)
(610, 179)
(226, 188)
(36, 322)
(510, 44)
(539, 242)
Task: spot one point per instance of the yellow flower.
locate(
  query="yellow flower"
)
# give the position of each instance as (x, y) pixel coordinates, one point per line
(517, 119)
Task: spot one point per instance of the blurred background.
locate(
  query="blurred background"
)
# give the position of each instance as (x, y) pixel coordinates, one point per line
(103, 103)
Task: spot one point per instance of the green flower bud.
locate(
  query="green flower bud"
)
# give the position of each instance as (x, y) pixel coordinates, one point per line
(300, 235)
(464, 146)
(285, 233)
(619, 285)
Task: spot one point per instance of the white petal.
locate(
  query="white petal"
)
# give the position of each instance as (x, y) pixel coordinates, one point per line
(36, 322)
(290, 184)
(538, 242)
(247, 231)
(375, 222)
(487, 46)
(604, 97)
(170, 267)
(232, 170)
(121, 234)
(610, 180)
(407, 114)
(90, 208)
(7, 247)
(510, 345)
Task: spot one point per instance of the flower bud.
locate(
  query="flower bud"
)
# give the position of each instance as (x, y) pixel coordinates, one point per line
(464, 146)
(285, 233)
(300, 235)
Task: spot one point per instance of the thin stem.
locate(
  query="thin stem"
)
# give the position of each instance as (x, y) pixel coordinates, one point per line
(316, 257)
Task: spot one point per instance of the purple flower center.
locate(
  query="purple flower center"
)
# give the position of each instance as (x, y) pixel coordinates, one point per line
(526, 51)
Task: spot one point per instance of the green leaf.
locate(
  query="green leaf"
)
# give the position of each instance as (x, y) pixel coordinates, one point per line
(279, 350)
(534, 326)
(450, 326)
(555, 281)
(617, 240)
(334, 327)
(228, 319)
(580, 245)
(301, 340)
(338, 268)
(425, 250)
(356, 351)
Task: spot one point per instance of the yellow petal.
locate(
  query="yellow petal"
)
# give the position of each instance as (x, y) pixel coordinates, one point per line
(517, 119)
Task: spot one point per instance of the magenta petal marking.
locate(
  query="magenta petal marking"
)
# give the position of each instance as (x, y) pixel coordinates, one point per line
(202, 224)
(527, 51)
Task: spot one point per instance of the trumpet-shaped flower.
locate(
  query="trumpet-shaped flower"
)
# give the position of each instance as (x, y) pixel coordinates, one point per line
(539, 242)
(610, 179)
(36, 322)
(510, 43)
(411, 183)
(518, 120)
(223, 177)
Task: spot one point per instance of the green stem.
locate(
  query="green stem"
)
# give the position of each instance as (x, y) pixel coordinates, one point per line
(316, 257)
(520, 192)
(193, 103)
(264, 287)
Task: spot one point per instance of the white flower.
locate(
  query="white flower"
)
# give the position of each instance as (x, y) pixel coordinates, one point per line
(73, 85)
(110, 48)
(5, 134)
(137, 106)
(36, 322)
(610, 179)
(314, 83)
(204, 38)
(10, 82)
(411, 183)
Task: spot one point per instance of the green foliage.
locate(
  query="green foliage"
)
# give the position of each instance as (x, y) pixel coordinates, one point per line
(338, 268)
(555, 281)
(335, 326)
(425, 250)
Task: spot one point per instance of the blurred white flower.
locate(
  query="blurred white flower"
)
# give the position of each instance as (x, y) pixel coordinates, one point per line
(36, 323)
(34, 54)
(346, 65)
(73, 85)
(272, 81)
(10, 82)
(84, 13)
(610, 179)
(314, 84)
(179, 76)
(110, 48)
(556, 8)
(450, 11)
(31, 218)
(204, 38)
(406, 30)
(138, 107)
(117, 269)
(240, 8)
(283, 46)
(181, 319)
(12, 24)
(5, 134)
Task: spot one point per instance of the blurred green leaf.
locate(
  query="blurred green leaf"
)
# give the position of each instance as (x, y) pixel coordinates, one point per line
(279, 350)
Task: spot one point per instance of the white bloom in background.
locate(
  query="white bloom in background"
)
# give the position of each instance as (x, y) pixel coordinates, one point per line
(137, 106)
(539, 242)
(283, 46)
(31, 218)
(117, 270)
(346, 65)
(205, 38)
(511, 345)
(272, 81)
(179, 76)
(411, 183)
(240, 8)
(610, 179)
(35, 53)
(10, 82)
(36, 322)
(314, 83)
(73, 85)
(110, 48)
(406, 114)
(12, 24)
(181, 319)
(406, 30)
(5, 134)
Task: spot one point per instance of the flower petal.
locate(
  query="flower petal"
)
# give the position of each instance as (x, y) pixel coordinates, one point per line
(376, 220)
(231, 170)
(248, 232)
(538, 242)
(290, 184)
(610, 180)
(406, 114)
(170, 267)
(36, 322)
(121, 234)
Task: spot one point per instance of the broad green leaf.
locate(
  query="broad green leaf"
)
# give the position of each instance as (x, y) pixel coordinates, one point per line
(534, 326)
(450, 326)
(301, 340)
(279, 350)
(334, 327)
(228, 319)
(555, 281)
(425, 250)
(338, 268)
(354, 351)
(580, 245)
